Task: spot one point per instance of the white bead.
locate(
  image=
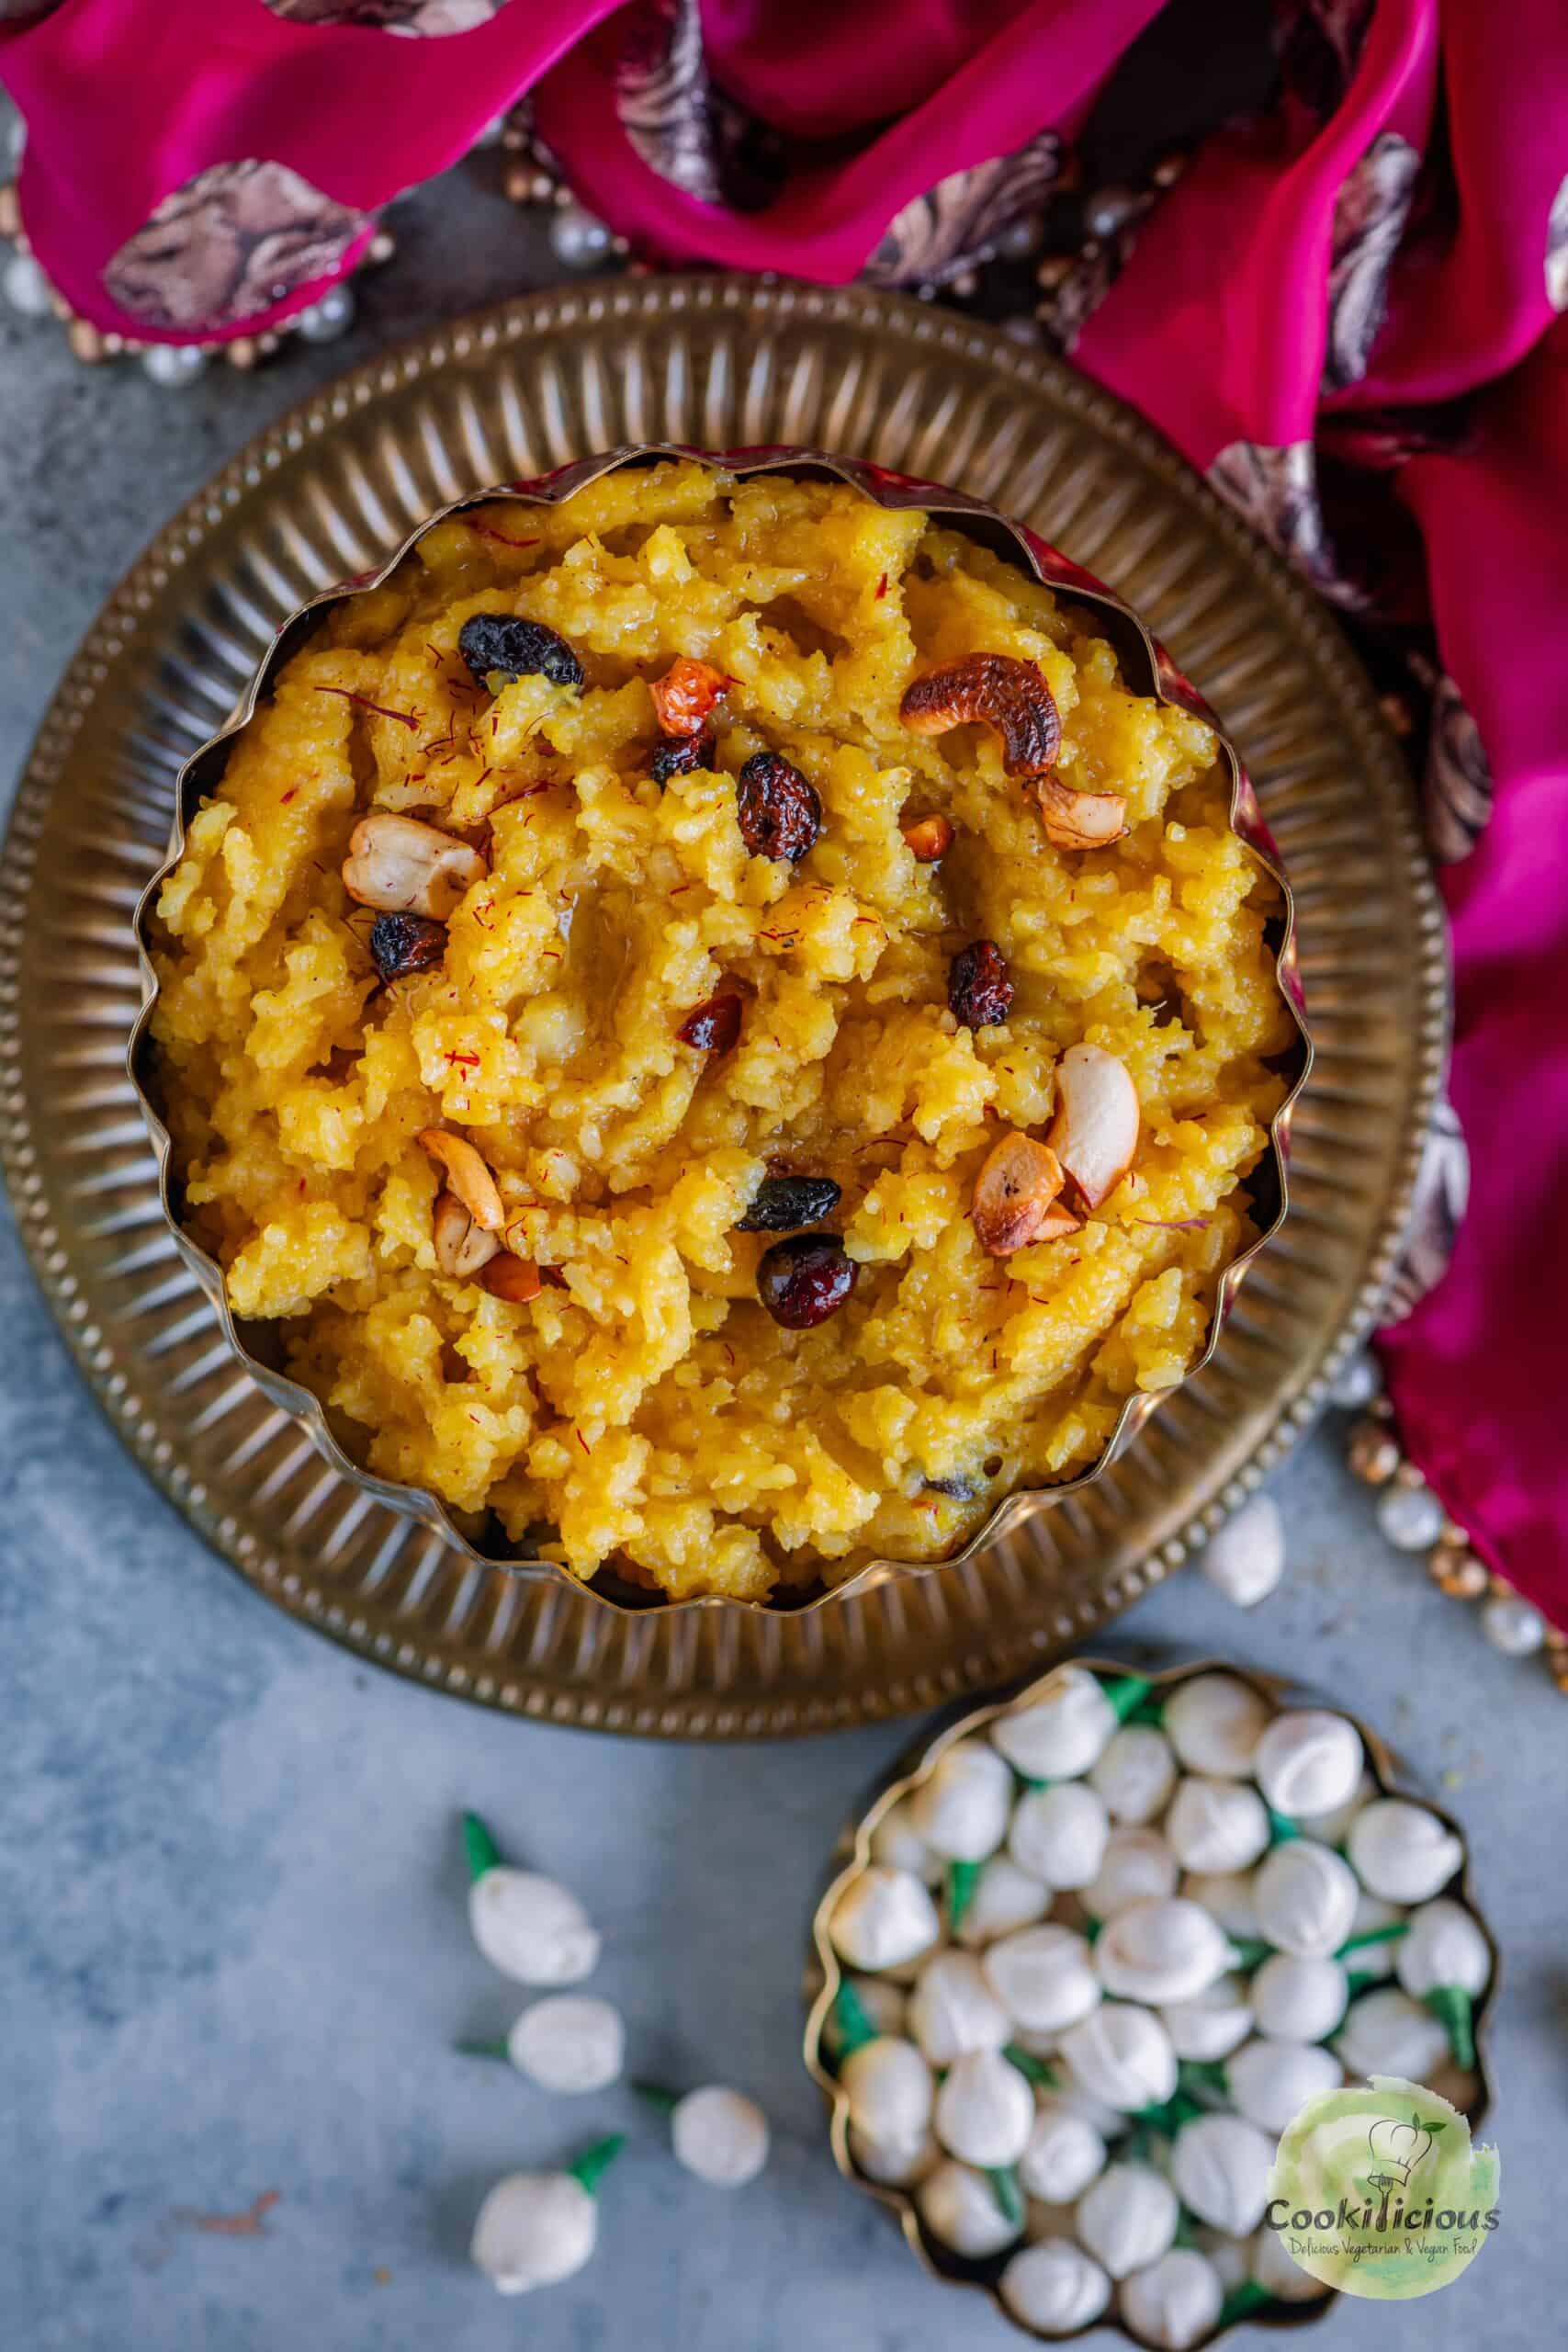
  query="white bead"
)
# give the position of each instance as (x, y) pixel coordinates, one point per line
(1230, 1895)
(1137, 1862)
(531, 1928)
(1511, 1625)
(1411, 1517)
(952, 2008)
(1060, 1835)
(25, 287)
(1385, 2032)
(1330, 1828)
(1444, 1946)
(1373, 1959)
(1295, 1999)
(721, 2136)
(1128, 2218)
(534, 2230)
(1283, 2277)
(1272, 2081)
(1216, 1827)
(960, 1808)
(1135, 1773)
(1214, 1723)
(959, 2208)
(1176, 2302)
(1306, 1898)
(1063, 1731)
(1121, 2055)
(577, 240)
(1308, 1762)
(1167, 1949)
(890, 2090)
(1064, 2153)
(1043, 1977)
(884, 1918)
(173, 364)
(1246, 1558)
(1210, 2025)
(885, 2003)
(1401, 1851)
(570, 2043)
(330, 316)
(894, 2164)
(1004, 1897)
(1220, 2165)
(984, 2110)
(1053, 2288)
(897, 1841)
(1355, 1384)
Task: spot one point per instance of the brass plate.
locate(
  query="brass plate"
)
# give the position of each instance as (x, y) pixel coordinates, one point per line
(329, 491)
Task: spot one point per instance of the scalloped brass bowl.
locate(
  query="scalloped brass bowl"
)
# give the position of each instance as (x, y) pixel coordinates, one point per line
(853, 1856)
(1148, 670)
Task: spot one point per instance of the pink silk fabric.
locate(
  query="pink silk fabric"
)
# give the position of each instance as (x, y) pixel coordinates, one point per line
(1372, 275)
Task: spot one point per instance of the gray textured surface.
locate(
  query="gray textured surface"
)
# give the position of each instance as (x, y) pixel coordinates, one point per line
(232, 1947)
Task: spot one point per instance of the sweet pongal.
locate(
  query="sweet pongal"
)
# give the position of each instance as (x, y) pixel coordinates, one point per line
(726, 1033)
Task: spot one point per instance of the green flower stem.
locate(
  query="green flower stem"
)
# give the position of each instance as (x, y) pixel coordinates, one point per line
(479, 1845)
(1199, 2077)
(1245, 2298)
(1129, 1696)
(962, 1878)
(1168, 2119)
(852, 2018)
(1006, 2192)
(591, 2167)
(1455, 2012)
(1385, 1935)
(1093, 1929)
(656, 2095)
(1186, 2230)
(1033, 2069)
(1281, 1829)
(484, 2049)
(1251, 1952)
(1359, 1980)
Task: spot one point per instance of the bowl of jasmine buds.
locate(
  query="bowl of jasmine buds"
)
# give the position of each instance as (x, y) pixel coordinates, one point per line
(1089, 1954)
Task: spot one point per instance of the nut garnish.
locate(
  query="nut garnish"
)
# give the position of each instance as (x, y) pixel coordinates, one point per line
(1013, 1192)
(685, 694)
(1007, 695)
(404, 867)
(514, 1279)
(467, 1174)
(1095, 1131)
(980, 986)
(1078, 820)
(462, 1247)
(929, 838)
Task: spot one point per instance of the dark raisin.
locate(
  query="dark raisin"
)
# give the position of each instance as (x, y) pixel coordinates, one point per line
(713, 1027)
(778, 812)
(804, 1280)
(959, 1490)
(678, 755)
(403, 944)
(783, 1204)
(519, 648)
(980, 986)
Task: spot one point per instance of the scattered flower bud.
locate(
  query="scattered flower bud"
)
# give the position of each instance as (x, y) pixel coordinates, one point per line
(952, 2010)
(1220, 2165)
(1062, 1733)
(1175, 2302)
(1306, 1898)
(527, 1926)
(960, 1808)
(1246, 1558)
(1299, 1997)
(1121, 2055)
(536, 2228)
(1272, 2081)
(1308, 1762)
(1043, 1977)
(1168, 1949)
(1135, 1773)
(1136, 1863)
(885, 1919)
(959, 2206)
(1214, 1723)
(1053, 2288)
(721, 2136)
(1401, 1851)
(984, 2110)
(570, 2043)
(1059, 1835)
(1445, 1946)
(1128, 2218)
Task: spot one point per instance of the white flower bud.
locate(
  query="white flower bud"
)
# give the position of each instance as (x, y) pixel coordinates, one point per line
(1306, 1898)
(1043, 1977)
(1175, 2302)
(1385, 2032)
(1004, 1897)
(1216, 1827)
(1212, 2024)
(961, 1809)
(895, 1841)
(721, 2136)
(884, 1918)
(1053, 2288)
(1137, 1863)
(1060, 1835)
(1062, 1733)
(1121, 2055)
(1229, 1896)
(1401, 1851)
(1444, 1946)
(894, 2164)
(1279, 2275)
(531, 1928)
(959, 2208)
(952, 2008)
(984, 2110)
(890, 2090)
(1135, 1773)
(1127, 2217)
(1220, 2165)
(1246, 1558)
(1160, 1950)
(534, 2229)
(885, 2003)
(1214, 1723)
(1064, 2153)
(1272, 2081)
(569, 2043)
(1331, 1828)
(1298, 1998)
(1373, 1959)
(1308, 1762)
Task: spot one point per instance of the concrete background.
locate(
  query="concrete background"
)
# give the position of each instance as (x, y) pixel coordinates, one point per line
(232, 1941)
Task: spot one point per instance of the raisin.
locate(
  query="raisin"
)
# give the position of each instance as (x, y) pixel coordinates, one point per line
(684, 697)
(402, 944)
(778, 812)
(714, 1026)
(980, 986)
(783, 1204)
(678, 755)
(518, 649)
(804, 1280)
(958, 1490)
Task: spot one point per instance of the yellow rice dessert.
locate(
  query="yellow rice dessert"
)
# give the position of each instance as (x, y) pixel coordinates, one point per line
(699, 855)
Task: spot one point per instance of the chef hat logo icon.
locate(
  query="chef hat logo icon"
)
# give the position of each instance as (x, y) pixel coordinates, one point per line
(1399, 2147)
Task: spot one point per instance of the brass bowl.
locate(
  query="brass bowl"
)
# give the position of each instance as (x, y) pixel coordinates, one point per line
(1147, 669)
(852, 1855)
